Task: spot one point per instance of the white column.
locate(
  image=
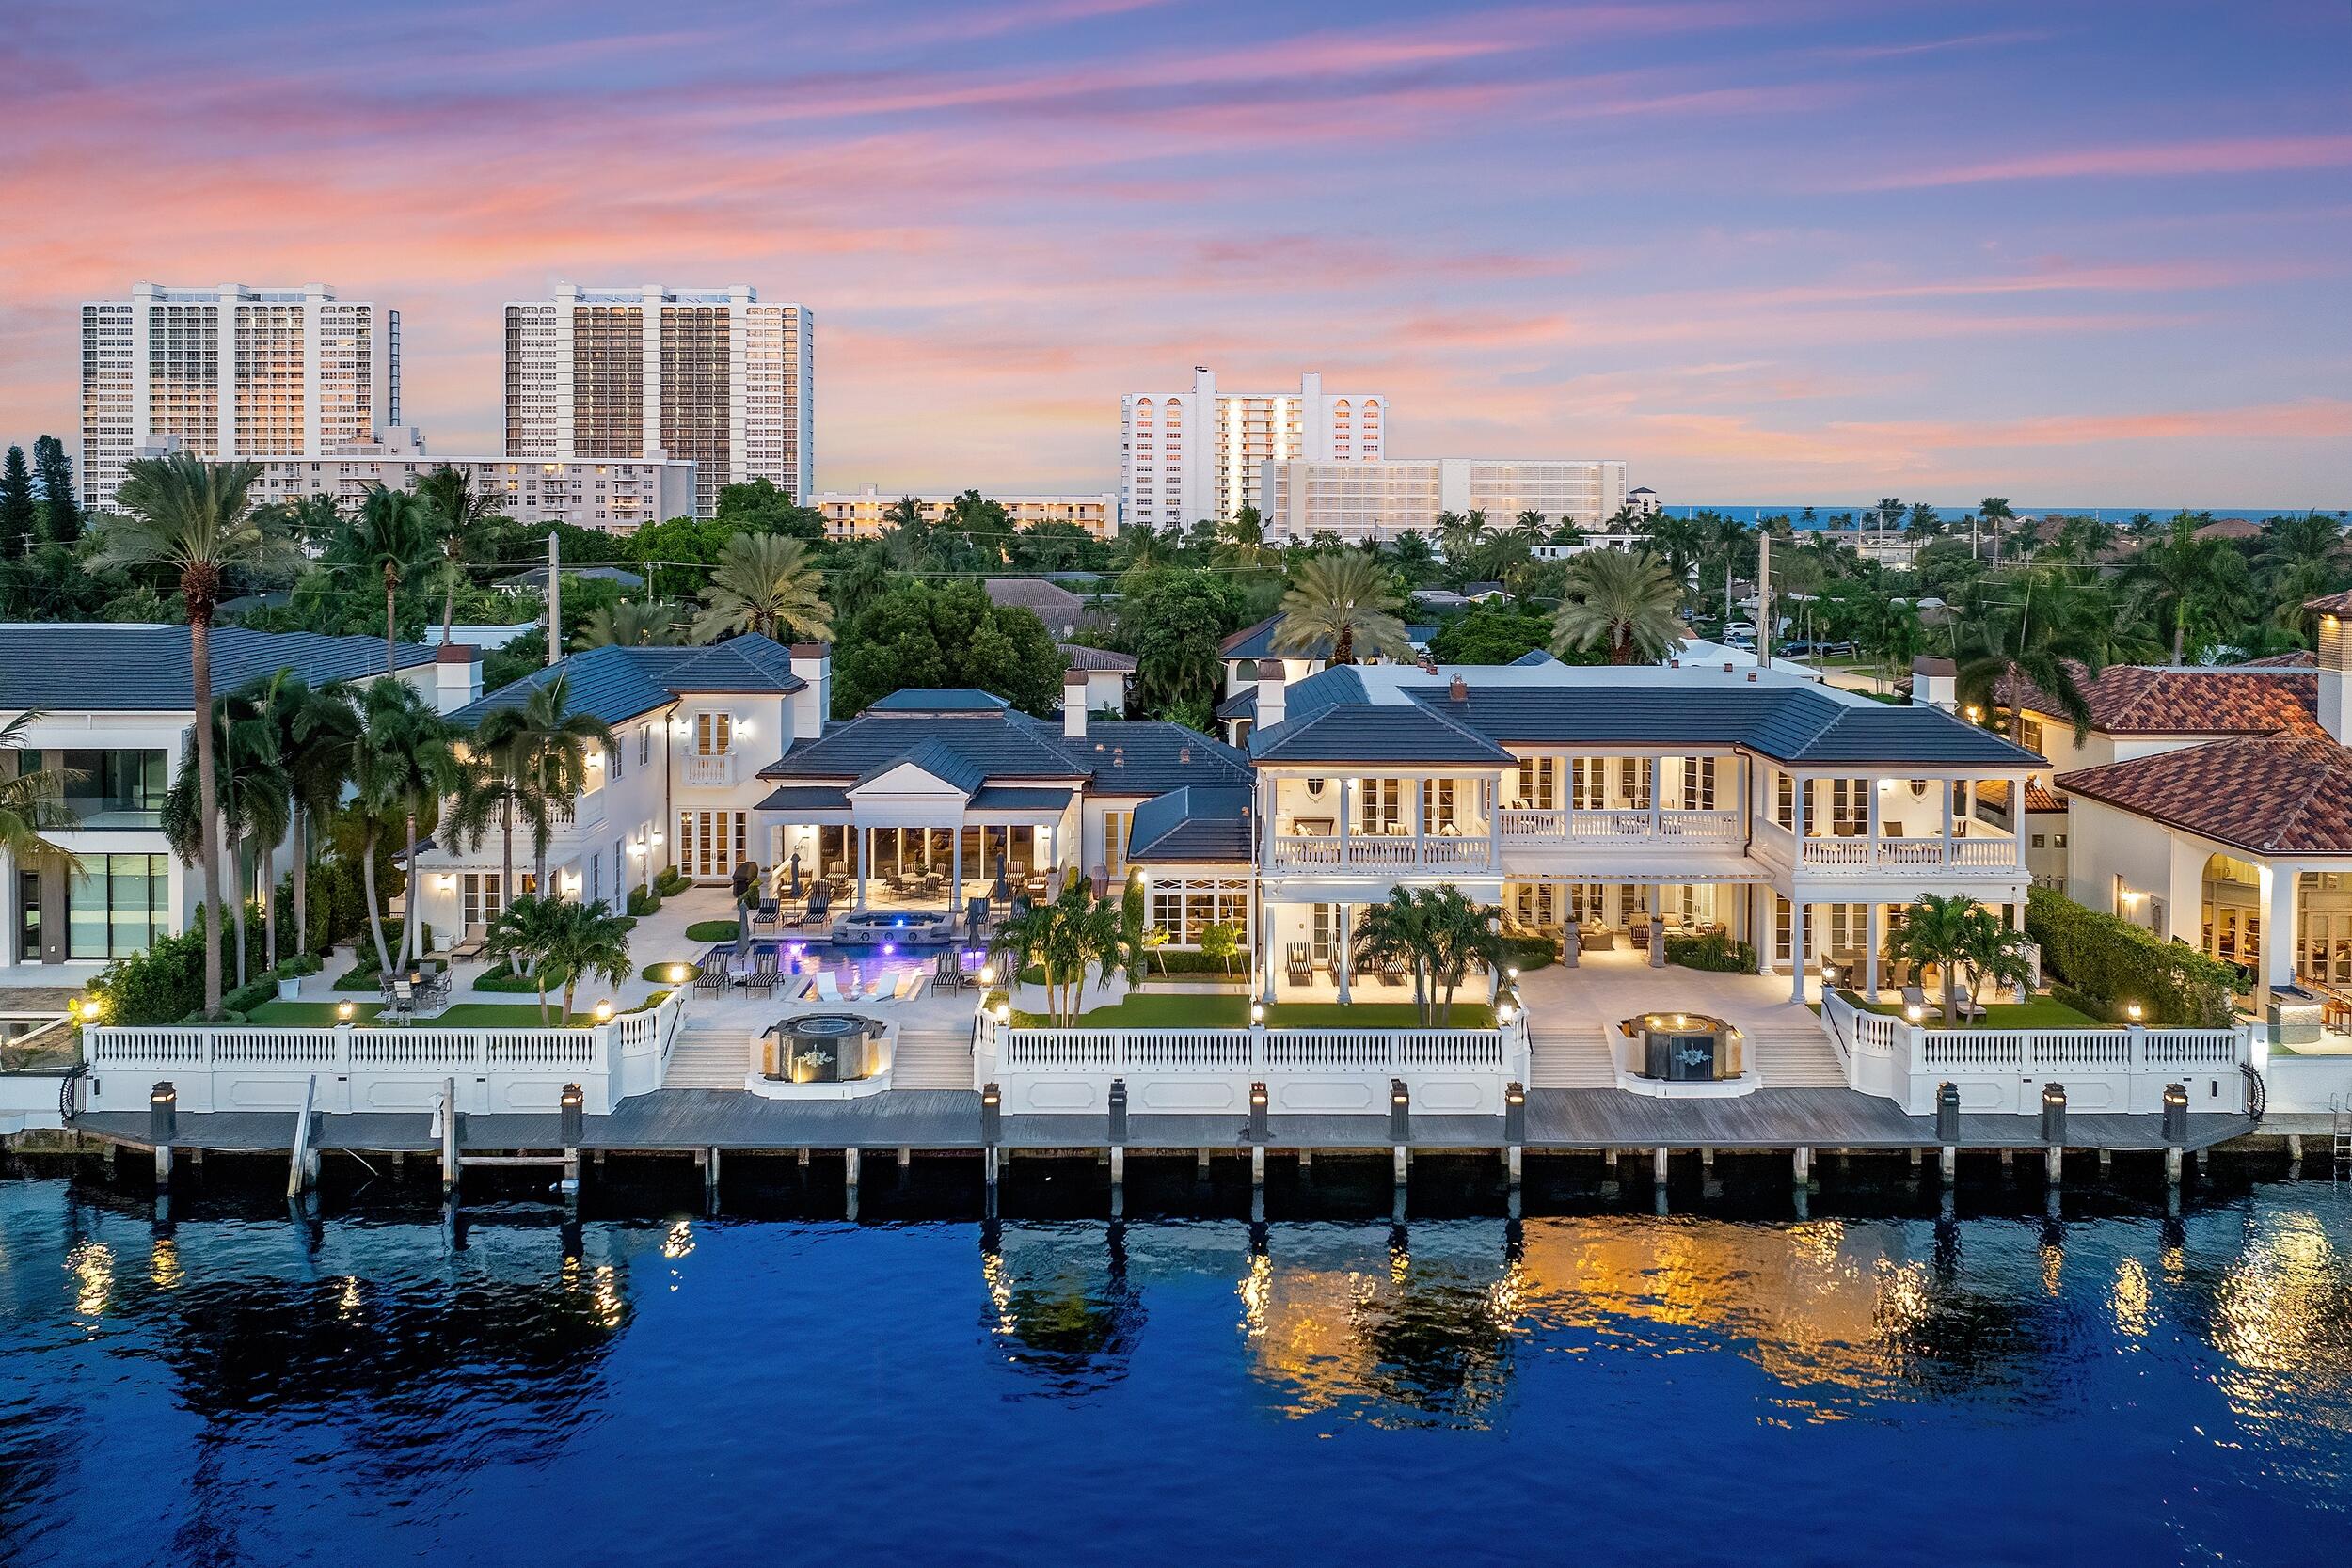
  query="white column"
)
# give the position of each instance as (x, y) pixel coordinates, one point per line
(1494, 823)
(1344, 948)
(1796, 949)
(1870, 814)
(1421, 848)
(2017, 816)
(1657, 791)
(1798, 784)
(2277, 941)
(1870, 953)
(1946, 792)
(1346, 794)
(865, 853)
(955, 882)
(1266, 919)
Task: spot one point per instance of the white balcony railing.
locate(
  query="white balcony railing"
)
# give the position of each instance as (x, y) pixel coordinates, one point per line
(1619, 825)
(712, 772)
(1901, 854)
(1380, 852)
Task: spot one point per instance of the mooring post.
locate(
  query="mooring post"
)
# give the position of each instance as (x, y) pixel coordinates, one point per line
(1657, 1165)
(1706, 1157)
(1257, 1166)
(449, 1138)
(2054, 1132)
(1947, 1129)
(1800, 1167)
(851, 1159)
(1400, 1126)
(992, 1132)
(1201, 1163)
(163, 1121)
(906, 1157)
(710, 1178)
(1514, 1128)
(572, 1115)
(2175, 1130)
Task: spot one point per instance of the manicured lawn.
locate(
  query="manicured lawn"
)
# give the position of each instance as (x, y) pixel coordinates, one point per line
(1154, 1010)
(2040, 1013)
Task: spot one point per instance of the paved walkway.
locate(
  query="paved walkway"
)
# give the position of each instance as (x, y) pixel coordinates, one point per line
(1573, 1016)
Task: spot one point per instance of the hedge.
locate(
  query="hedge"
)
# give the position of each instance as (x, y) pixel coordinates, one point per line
(501, 977)
(712, 930)
(644, 901)
(1714, 952)
(1524, 953)
(2105, 962)
(671, 883)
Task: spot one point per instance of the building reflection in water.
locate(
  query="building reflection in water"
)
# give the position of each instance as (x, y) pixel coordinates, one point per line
(1060, 1303)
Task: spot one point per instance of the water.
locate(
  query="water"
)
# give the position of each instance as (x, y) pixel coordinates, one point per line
(1597, 1385)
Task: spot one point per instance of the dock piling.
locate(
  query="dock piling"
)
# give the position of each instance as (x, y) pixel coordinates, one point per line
(449, 1138)
(1657, 1165)
(1801, 1168)
(572, 1110)
(1257, 1166)
(851, 1159)
(162, 1117)
(1514, 1129)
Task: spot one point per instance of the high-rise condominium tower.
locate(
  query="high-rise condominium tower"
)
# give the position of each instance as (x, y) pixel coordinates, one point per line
(1185, 457)
(231, 371)
(706, 374)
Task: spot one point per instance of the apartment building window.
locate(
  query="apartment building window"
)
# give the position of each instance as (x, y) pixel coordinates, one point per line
(714, 733)
(1848, 805)
(2029, 734)
(1438, 805)
(1588, 784)
(595, 879)
(1634, 780)
(620, 869)
(613, 755)
(114, 788)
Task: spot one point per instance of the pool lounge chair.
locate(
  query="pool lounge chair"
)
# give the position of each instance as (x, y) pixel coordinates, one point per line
(471, 945)
(828, 988)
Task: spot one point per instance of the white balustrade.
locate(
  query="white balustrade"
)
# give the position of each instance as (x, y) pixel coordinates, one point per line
(709, 772)
(1380, 852)
(1898, 854)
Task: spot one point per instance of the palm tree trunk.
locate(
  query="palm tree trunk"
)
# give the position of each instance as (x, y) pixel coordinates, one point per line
(2180, 633)
(375, 908)
(506, 859)
(269, 914)
(408, 910)
(391, 585)
(543, 998)
(236, 882)
(208, 803)
(449, 605)
(301, 878)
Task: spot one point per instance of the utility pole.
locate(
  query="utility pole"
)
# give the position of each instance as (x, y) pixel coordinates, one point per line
(1764, 617)
(555, 596)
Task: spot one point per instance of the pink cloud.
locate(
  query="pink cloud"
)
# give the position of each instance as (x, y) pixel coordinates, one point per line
(2228, 155)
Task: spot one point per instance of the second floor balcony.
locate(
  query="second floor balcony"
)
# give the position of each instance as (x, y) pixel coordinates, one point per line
(1617, 826)
(1381, 852)
(719, 772)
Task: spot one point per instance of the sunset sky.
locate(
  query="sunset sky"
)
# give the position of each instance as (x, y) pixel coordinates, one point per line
(2075, 254)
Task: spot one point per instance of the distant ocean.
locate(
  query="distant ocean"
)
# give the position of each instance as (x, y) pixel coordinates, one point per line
(1746, 514)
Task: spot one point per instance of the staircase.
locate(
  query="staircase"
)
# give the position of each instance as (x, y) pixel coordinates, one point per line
(928, 1060)
(1794, 1055)
(1569, 1058)
(709, 1056)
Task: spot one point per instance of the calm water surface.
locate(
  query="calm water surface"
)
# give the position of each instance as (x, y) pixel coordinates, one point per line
(2114, 1386)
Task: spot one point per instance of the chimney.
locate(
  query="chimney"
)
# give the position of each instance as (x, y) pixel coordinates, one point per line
(1073, 705)
(1934, 683)
(812, 705)
(1269, 690)
(456, 676)
(1457, 690)
(2335, 670)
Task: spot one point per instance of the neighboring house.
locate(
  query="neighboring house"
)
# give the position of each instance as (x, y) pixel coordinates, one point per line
(114, 716)
(2213, 804)
(932, 798)
(1062, 612)
(691, 728)
(1246, 651)
(1598, 799)
(1102, 674)
(1642, 499)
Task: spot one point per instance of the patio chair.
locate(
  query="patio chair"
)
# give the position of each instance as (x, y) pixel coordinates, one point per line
(905, 987)
(471, 945)
(709, 977)
(920, 983)
(874, 989)
(403, 999)
(947, 972)
(828, 988)
(1915, 995)
(819, 904)
(1391, 970)
(1299, 963)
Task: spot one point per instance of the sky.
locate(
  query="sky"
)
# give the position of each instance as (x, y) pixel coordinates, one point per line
(1804, 250)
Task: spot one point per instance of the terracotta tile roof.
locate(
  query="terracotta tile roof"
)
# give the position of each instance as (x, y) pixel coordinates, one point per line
(2331, 603)
(2136, 699)
(2230, 528)
(2039, 796)
(2270, 794)
(2299, 659)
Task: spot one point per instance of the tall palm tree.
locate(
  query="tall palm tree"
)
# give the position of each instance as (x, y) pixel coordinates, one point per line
(1961, 939)
(1623, 600)
(311, 523)
(764, 584)
(253, 786)
(391, 538)
(1994, 512)
(2302, 559)
(456, 512)
(31, 800)
(2188, 577)
(629, 624)
(1460, 936)
(318, 732)
(196, 519)
(544, 746)
(524, 934)
(406, 765)
(1397, 932)
(2038, 636)
(1065, 937)
(1529, 526)
(1338, 604)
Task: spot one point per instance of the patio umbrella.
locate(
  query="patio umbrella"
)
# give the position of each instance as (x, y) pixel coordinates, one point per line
(792, 889)
(1003, 892)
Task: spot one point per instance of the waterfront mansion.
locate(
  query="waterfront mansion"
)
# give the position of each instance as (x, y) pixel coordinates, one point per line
(1614, 805)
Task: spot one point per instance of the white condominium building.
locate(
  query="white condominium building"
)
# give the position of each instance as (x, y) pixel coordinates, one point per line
(864, 512)
(617, 495)
(1185, 457)
(710, 376)
(231, 371)
(1385, 498)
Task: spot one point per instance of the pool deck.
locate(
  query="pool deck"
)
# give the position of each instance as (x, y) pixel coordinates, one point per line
(693, 1120)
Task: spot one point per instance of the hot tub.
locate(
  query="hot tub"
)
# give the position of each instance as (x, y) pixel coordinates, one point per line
(825, 1048)
(1684, 1047)
(875, 926)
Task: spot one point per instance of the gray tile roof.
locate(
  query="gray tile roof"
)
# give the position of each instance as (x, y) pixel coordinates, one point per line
(617, 683)
(1390, 732)
(943, 699)
(1199, 822)
(1083, 657)
(68, 666)
(1532, 657)
(1020, 798)
(807, 798)
(999, 746)
(947, 763)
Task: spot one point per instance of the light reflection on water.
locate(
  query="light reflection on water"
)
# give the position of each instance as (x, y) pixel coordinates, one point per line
(376, 1387)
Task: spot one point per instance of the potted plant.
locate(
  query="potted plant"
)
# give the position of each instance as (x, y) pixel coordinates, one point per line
(290, 976)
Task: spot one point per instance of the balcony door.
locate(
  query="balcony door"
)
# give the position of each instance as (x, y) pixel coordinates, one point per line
(714, 733)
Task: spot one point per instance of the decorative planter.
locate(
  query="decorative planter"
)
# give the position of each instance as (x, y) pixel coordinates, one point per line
(290, 989)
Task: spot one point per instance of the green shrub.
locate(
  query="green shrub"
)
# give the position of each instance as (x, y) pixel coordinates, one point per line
(1186, 961)
(248, 997)
(501, 977)
(644, 901)
(1714, 952)
(671, 883)
(659, 973)
(711, 931)
(1524, 953)
(162, 985)
(2107, 962)
(299, 965)
(2083, 1001)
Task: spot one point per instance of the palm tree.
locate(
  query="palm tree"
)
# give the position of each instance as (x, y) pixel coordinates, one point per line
(589, 939)
(406, 765)
(2302, 559)
(1623, 600)
(2038, 637)
(1064, 937)
(1337, 603)
(522, 936)
(247, 776)
(1397, 930)
(392, 535)
(542, 748)
(30, 801)
(311, 523)
(1529, 526)
(1459, 935)
(764, 584)
(629, 624)
(1958, 935)
(1994, 512)
(195, 518)
(318, 732)
(456, 512)
(1890, 511)
(2189, 578)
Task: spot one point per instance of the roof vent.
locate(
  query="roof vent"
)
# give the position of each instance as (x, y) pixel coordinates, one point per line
(1183, 753)
(1751, 674)
(1459, 690)
(1673, 664)
(1727, 667)
(1118, 756)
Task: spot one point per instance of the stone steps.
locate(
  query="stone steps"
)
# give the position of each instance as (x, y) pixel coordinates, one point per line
(932, 1060)
(1569, 1059)
(707, 1057)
